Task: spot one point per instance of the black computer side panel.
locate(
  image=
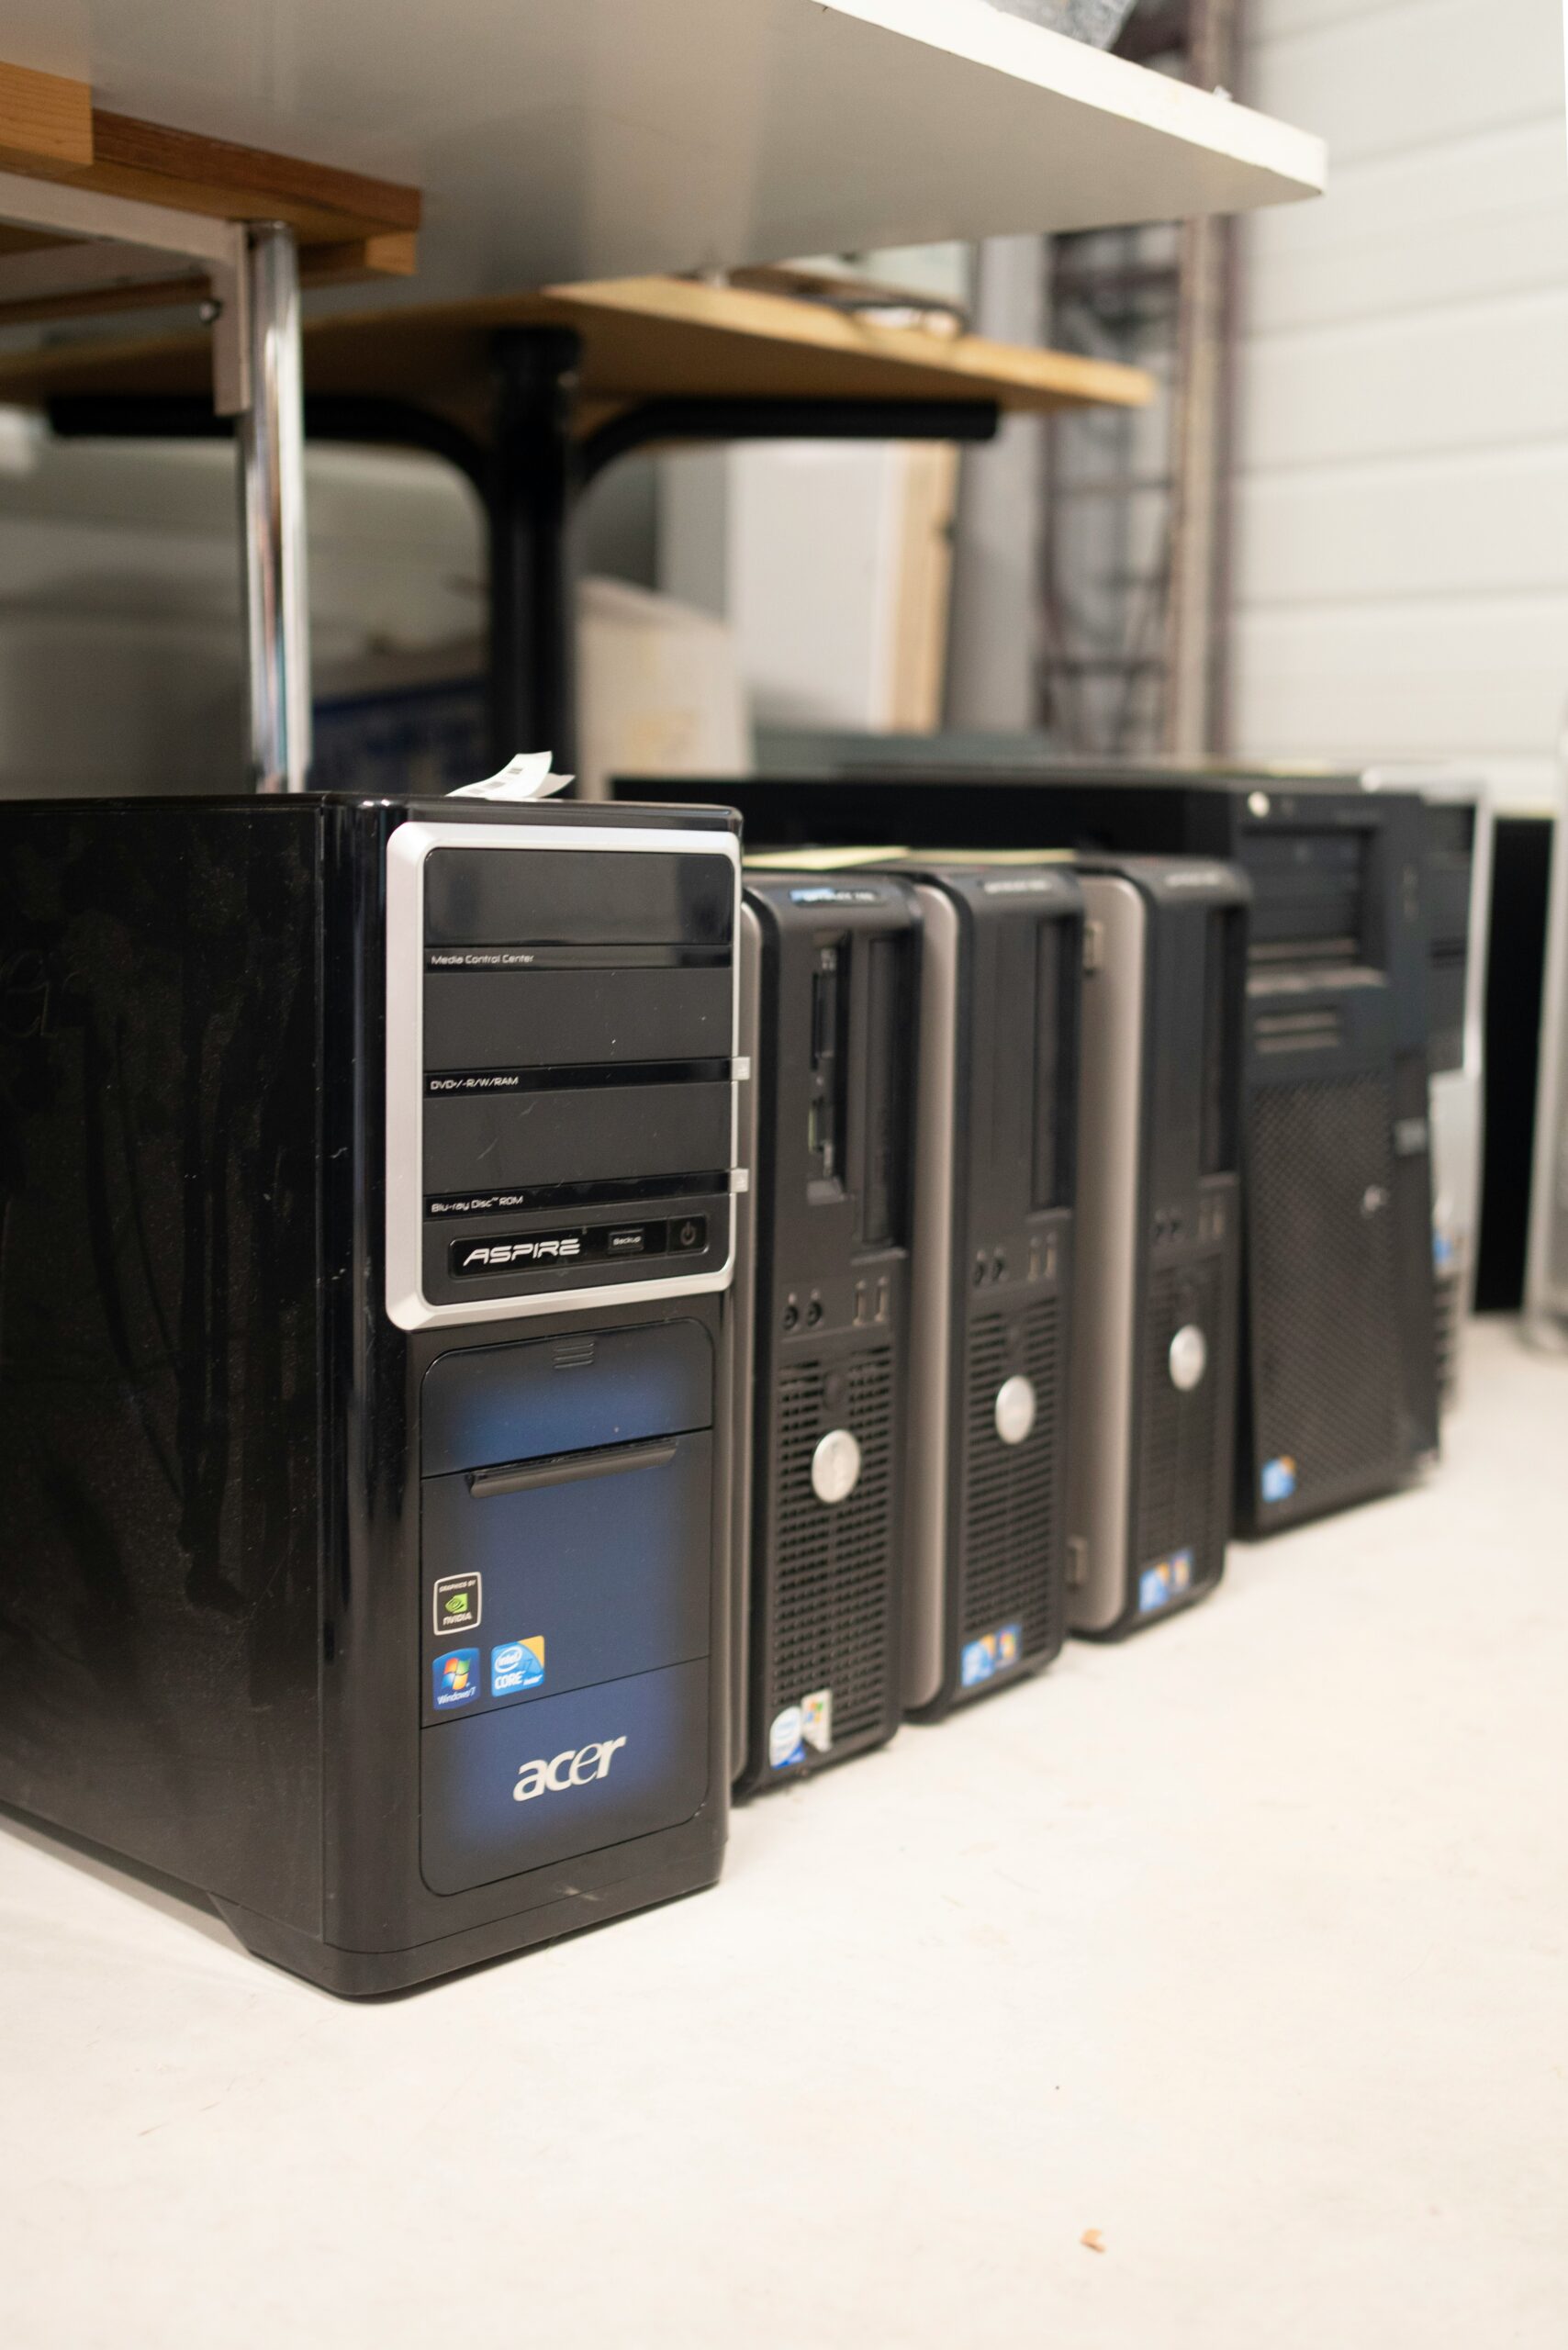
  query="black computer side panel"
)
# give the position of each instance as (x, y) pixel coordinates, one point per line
(161, 1415)
(832, 966)
(995, 1189)
(1410, 918)
(1156, 1320)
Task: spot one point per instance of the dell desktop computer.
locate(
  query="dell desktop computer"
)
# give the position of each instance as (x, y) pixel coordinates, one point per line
(1158, 1239)
(995, 1189)
(829, 990)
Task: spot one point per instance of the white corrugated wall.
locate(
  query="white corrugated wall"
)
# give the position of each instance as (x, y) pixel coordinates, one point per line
(1401, 580)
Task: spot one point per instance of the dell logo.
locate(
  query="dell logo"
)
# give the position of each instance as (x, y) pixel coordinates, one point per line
(572, 1769)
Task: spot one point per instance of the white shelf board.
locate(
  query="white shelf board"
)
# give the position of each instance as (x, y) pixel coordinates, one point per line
(563, 139)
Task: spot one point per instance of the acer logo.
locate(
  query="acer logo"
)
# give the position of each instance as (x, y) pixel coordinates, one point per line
(573, 1768)
(496, 1256)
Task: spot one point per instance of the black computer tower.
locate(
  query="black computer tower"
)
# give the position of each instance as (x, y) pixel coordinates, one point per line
(991, 1317)
(366, 1186)
(1158, 1239)
(1338, 1392)
(829, 985)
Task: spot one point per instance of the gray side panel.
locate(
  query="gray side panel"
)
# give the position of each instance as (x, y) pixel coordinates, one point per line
(930, 1434)
(1105, 1349)
(743, 1328)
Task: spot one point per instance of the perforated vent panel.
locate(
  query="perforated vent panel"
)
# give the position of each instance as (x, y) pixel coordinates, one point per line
(1183, 1482)
(1328, 1373)
(1012, 1546)
(834, 1565)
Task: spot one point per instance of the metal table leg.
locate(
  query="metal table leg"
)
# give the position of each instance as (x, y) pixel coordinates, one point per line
(272, 474)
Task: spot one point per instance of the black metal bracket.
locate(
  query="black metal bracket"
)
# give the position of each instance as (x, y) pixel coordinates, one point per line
(783, 420)
(329, 415)
(529, 482)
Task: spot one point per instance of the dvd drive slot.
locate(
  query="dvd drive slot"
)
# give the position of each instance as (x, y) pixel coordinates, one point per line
(542, 1019)
(874, 1122)
(825, 1120)
(584, 1135)
(1270, 952)
(1320, 1030)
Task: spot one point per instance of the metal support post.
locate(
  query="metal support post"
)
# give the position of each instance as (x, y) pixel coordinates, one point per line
(532, 581)
(272, 476)
(1197, 621)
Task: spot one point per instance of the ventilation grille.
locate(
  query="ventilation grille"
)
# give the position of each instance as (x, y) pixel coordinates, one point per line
(1010, 1546)
(1184, 1480)
(1448, 1292)
(833, 1565)
(1322, 1269)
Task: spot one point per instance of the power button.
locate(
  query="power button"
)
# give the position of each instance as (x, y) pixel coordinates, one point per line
(689, 1232)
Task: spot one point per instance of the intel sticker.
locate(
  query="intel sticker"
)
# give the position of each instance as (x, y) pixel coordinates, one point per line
(517, 1664)
(816, 1720)
(1278, 1479)
(786, 1739)
(456, 1678)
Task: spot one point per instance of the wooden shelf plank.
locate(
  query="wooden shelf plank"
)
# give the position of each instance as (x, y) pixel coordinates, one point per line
(44, 120)
(51, 130)
(642, 338)
(234, 182)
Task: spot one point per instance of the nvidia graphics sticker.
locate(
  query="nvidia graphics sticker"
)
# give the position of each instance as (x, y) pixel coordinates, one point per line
(457, 1605)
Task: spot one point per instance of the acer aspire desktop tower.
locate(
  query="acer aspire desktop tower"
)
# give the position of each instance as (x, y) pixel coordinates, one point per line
(1158, 1240)
(366, 1193)
(1337, 1388)
(828, 986)
(993, 1247)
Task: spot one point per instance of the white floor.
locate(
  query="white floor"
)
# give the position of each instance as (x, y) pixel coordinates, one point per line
(1242, 1945)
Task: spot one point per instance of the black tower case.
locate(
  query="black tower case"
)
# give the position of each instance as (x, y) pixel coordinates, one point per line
(1339, 1378)
(829, 981)
(995, 1185)
(366, 1193)
(1156, 1285)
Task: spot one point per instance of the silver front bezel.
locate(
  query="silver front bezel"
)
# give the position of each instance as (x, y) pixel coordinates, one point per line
(931, 1301)
(1105, 1354)
(407, 1305)
(743, 1325)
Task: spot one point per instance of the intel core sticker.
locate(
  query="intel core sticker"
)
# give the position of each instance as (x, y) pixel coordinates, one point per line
(1278, 1479)
(517, 1664)
(816, 1720)
(456, 1678)
(457, 1605)
(785, 1739)
(1009, 1646)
